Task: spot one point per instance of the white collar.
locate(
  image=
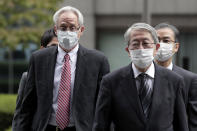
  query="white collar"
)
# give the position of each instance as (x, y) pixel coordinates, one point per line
(150, 72)
(170, 66)
(72, 53)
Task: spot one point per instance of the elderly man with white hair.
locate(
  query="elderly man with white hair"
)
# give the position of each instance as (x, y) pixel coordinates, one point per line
(141, 96)
(63, 81)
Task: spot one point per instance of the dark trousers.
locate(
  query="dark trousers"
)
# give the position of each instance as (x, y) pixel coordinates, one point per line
(54, 128)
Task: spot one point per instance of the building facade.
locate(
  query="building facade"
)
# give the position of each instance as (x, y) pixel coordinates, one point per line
(107, 20)
(105, 24)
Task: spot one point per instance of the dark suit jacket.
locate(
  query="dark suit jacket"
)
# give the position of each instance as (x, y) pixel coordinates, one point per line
(22, 83)
(190, 80)
(20, 96)
(36, 106)
(118, 101)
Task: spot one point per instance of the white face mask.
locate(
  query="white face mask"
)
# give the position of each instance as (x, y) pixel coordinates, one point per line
(164, 52)
(67, 39)
(142, 58)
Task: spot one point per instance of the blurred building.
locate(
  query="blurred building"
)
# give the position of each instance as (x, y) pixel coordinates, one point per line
(11, 69)
(107, 20)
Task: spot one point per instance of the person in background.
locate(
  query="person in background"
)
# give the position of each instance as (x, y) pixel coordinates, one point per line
(48, 39)
(63, 81)
(169, 45)
(141, 96)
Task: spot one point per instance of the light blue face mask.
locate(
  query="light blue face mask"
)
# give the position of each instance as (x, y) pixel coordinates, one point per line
(67, 39)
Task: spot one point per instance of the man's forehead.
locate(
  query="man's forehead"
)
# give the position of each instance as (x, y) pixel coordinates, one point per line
(140, 33)
(140, 30)
(165, 32)
(68, 16)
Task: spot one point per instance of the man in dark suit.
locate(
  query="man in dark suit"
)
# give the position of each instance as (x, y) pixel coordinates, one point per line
(48, 39)
(63, 81)
(169, 45)
(141, 96)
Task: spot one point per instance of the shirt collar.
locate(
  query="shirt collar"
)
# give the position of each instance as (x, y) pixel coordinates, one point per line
(72, 53)
(150, 72)
(170, 66)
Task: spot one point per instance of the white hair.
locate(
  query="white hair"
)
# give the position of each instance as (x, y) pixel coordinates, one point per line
(65, 9)
(144, 26)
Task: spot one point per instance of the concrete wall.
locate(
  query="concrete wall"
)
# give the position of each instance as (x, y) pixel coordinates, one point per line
(119, 14)
(87, 9)
(107, 20)
(122, 13)
(118, 6)
(136, 6)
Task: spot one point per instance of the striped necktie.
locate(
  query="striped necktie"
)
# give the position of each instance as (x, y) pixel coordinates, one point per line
(145, 93)
(64, 94)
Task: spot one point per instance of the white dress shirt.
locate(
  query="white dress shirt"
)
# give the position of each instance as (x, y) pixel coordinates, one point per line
(150, 72)
(170, 66)
(57, 76)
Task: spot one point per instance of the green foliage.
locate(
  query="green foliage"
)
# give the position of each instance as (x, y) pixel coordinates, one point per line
(7, 103)
(7, 107)
(5, 120)
(23, 21)
(9, 129)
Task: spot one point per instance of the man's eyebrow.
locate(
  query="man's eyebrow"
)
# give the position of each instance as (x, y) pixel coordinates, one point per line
(65, 24)
(165, 37)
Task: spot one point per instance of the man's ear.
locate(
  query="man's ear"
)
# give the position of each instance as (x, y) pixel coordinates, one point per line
(80, 32)
(82, 28)
(55, 29)
(126, 49)
(176, 47)
(157, 46)
(156, 49)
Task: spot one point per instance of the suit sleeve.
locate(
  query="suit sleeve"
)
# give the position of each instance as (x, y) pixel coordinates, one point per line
(180, 114)
(22, 120)
(22, 84)
(20, 94)
(192, 105)
(103, 108)
(103, 71)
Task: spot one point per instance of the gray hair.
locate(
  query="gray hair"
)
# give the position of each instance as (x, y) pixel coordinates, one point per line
(144, 26)
(68, 8)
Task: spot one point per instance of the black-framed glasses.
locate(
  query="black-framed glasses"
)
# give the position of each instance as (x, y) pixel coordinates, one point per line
(167, 41)
(136, 44)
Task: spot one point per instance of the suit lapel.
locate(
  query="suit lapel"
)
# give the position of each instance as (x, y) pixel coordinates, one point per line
(79, 73)
(130, 90)
(175, 68)
(158, 89)
(51, 62)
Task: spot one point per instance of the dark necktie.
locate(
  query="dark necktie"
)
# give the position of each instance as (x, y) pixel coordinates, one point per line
(145, 93)
(63, 109)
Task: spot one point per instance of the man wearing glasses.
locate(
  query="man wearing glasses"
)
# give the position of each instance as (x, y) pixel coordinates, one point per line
(169, 45)
(63, 81)
(141, 96)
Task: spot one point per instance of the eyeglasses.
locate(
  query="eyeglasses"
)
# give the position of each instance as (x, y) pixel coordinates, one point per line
(136, 45)
(166, 41)
(69, 28)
